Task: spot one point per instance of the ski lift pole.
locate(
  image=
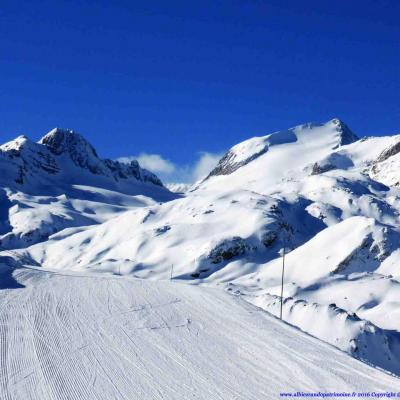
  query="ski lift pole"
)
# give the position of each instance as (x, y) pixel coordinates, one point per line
(172, 271)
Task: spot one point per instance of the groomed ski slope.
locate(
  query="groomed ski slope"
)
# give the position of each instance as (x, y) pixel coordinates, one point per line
(109, 337)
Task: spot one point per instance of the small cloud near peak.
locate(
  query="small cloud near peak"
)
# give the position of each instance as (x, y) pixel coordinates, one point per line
(170, 172)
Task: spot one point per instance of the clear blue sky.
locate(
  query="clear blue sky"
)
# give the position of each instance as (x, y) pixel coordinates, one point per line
(178, 77)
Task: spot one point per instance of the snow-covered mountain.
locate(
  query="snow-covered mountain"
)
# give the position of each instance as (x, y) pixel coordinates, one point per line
(64, 155)
(326, 196)
(61, 182)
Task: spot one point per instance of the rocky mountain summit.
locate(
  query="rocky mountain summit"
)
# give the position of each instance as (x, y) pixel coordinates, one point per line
(245, 152)
(64, 153)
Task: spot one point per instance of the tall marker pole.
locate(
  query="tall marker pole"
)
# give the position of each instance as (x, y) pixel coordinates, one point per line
(283, 273)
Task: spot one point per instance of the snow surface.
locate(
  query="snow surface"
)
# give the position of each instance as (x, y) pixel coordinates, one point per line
(329, 198)
(178, 187)
(101, 337)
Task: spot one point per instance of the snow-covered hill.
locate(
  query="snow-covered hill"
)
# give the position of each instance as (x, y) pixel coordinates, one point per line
(329, 198)
(101, 337)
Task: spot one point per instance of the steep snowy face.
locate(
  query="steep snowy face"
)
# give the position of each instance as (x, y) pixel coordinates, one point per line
(346, 135)
(247, 151)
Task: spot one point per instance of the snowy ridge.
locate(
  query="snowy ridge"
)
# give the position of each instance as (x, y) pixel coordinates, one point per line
(249, 150)
(60, 152)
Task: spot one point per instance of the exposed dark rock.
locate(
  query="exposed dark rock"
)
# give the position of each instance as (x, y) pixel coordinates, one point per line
(389, 152)
(269, 238)
(227, 249)
(318, 169)
(227, 164)
(161, 230)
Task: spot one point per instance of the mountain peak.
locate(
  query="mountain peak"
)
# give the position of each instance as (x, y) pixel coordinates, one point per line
(347, 136)
(60, 140)
(15, 144)
(70, 143)
(16, 147)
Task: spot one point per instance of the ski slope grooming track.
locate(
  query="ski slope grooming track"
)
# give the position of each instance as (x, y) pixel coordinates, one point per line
(104, 337)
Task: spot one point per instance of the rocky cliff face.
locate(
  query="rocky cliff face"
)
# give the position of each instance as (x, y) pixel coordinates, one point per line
(62, 151)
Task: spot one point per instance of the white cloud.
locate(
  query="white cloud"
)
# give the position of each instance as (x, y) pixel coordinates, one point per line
(173, 173)
(153, 162)
(205, 164)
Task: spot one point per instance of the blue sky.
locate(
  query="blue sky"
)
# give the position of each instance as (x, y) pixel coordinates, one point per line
(185, 80)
